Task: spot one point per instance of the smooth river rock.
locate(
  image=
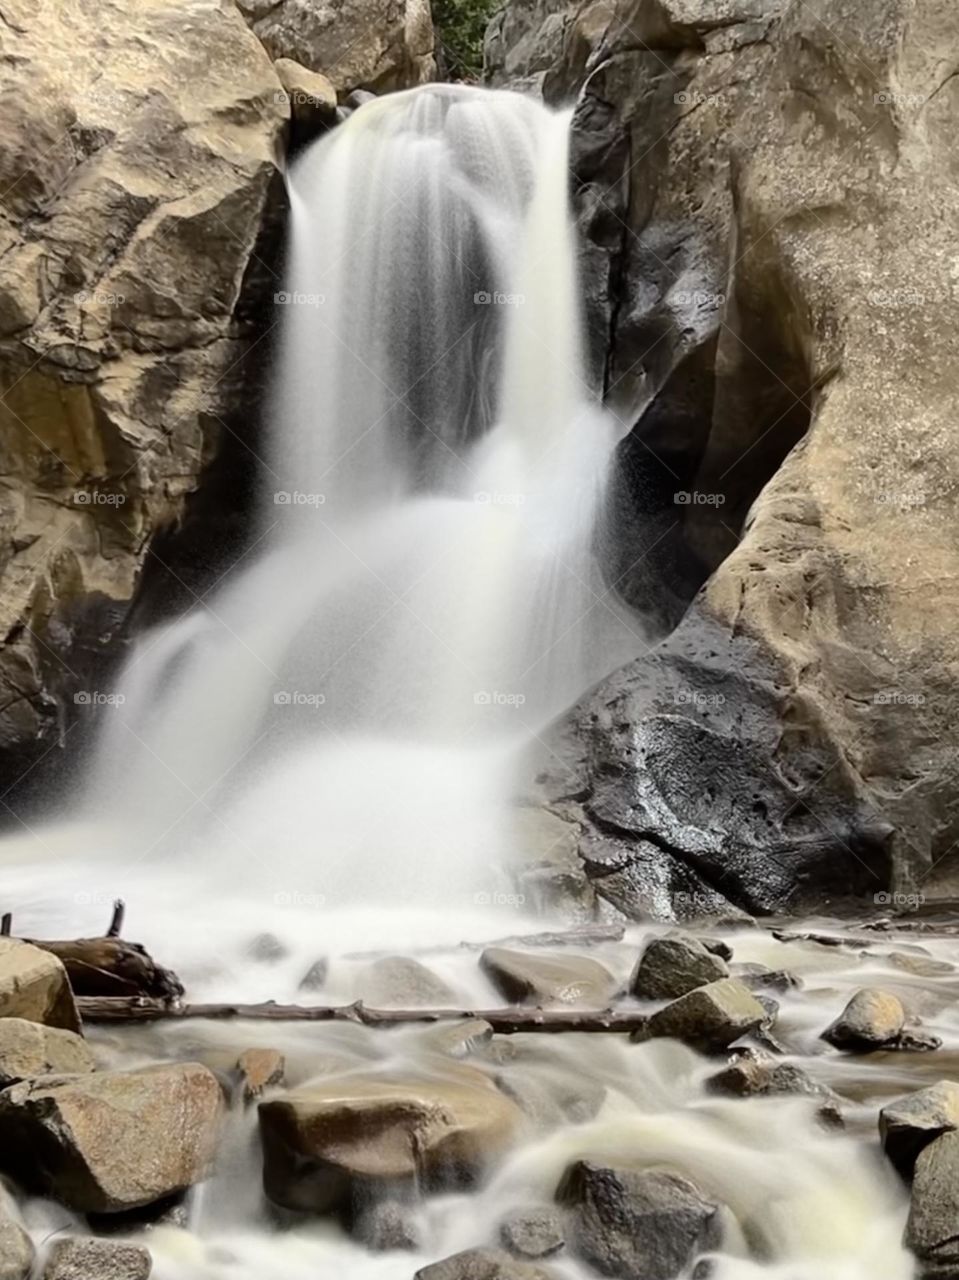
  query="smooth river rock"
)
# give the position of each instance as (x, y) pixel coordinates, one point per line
(404, 982)
(112, 1141)
(335, 1146)
(870, 1020)
(482, 1264)
(524, 977)
(635, 1223)
(672, 966)
(84, 1259)
(908, 1125)
(29, 1049)
(709, 1018)
(934, 1209)
(34, 986)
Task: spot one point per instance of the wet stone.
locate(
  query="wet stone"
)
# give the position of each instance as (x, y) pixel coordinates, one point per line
(908, 1125)
(709, 1018)
(84, 1259)
(385, 1226)
(315, 977)
(260, 1069)
(543, 978)
(872, 1019)
(672, 966)
(533, 1233)
(267, 949)
(482, 1264)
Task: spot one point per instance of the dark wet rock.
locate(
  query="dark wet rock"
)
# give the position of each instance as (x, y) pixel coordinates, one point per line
(267, 949)
(260, 1069)
(637, 1224)
(85, 1259)
(315, 977)
(872, 1019)
(29, 1049)
(709, 1018)
(34, 986)
(909, 1124)
(384, 1226)
(672, 966)
(533, 1233)
(482, 1264)
(400, 980)
(718, 948)
(111, 1141)
(541, 978)
(336, 1146)
(912, 1040)
(934, 1208)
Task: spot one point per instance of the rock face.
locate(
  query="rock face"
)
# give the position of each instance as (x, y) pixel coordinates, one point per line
(709, 1018)
(670, 967)
(34, 986)
(637, 1224)
(931, 1228)
(333, 1147)
(871, 1019)
(139, 147)
(79, 1259)
(356, 44)
(29, 1049)
(538, 978)
(778, 334)
(908, 1125)
(113, 1140)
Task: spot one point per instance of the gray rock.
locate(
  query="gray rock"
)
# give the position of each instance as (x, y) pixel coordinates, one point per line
(315, 977)
(709, 1018)
(402, 981)
(533, 1233)
(757, 978)
(85, 1259)
(755, 1075)
(34, 986)
(672, 966)
(870, 1020)
(267, 949)
(384, 1226)
(934, 1207)
(637, 1224)
(481, 1264)
(909, 1124)
(541, 978)
(29, 1049)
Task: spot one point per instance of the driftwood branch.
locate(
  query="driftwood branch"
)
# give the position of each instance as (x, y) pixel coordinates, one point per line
(111, 967)
(505, 1020)
(116, 921)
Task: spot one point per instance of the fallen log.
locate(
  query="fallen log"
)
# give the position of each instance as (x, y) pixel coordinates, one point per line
(507, 1020)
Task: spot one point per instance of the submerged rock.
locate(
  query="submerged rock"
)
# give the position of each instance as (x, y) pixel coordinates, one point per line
(755, 1075)
(709, 1018)
(934, 1208)
(543, 978)
(909, 1124)
(481, 1264)
(872, 1019)
(637, 1224)
(757, 978)
(260, 1069)
(385, 1226)
(112, 1141)
(459, 1039)
(334, 1146)
(315, 977)
(402, 981)
(29, 1049)
(672, 966)
(34, 986)
(533, 1233)
(85, 1259)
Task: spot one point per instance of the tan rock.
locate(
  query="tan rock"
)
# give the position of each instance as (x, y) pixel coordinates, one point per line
(80, 1258)
(536, 977)
(310, 96)
(29, 1049)
(260, 1069)
(114, 1140)
(871, 1019)
(34, 986)
(709, 1018)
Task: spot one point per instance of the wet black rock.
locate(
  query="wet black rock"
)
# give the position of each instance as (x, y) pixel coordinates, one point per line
(672, 966)
(872, 1019)
(637, 1224)
(908, 1125)
(533, 1233)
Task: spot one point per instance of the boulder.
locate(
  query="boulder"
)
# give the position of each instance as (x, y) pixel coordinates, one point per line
(872, 1019)
(34, 986)
(382, 45)
(934, 1208)
(481, 1264)
(141, 147)
(541, 978)
(114, 1140)
(756, 1075)
(637, 1224)
(85, 1259)
(709, 1018)
(335, 1146)
(403, 982)
(670, 967)
(260, 1069)
(909, 1124)
(532, 1233)
(310, 96)
(29, 1049)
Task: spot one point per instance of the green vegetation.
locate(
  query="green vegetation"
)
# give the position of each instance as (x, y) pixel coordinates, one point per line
(460, 26)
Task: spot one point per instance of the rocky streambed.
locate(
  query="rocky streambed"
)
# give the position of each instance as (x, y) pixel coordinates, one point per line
(786, 1105)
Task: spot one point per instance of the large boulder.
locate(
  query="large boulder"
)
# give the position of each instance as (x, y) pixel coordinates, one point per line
(334, 1146)
(526, 977)
(709, 1018)
(670, 967)
(140, 144)
(29, 1049)
(34, 986)
(772, 295)
(112, 1141)
(909, 1124)
(637, 1224)
(380, 45)
(934, 1208)
(871, 1019)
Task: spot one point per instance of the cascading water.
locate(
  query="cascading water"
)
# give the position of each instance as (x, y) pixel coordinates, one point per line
(327, 747)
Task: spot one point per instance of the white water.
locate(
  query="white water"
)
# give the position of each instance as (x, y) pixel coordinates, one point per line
(326, 747)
